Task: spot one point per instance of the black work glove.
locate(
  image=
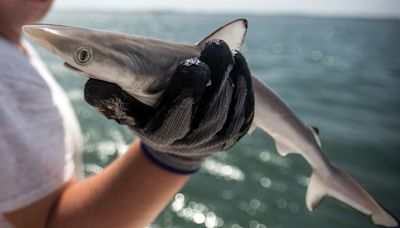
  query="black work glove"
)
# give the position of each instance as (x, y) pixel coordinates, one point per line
(207, 107)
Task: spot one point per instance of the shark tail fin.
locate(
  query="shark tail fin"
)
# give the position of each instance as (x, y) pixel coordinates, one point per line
(385, 217)
(232, 33)
(344, 188)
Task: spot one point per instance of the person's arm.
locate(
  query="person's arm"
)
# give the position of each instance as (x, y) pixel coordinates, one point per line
(130, 192)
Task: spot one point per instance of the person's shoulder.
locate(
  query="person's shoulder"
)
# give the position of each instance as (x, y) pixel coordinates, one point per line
(14, 56)
(16, 70)
(14, 64)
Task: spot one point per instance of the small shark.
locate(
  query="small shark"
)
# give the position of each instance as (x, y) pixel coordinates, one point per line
(143, 66)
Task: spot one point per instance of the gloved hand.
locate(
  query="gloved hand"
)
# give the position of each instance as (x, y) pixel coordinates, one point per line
(207, 107)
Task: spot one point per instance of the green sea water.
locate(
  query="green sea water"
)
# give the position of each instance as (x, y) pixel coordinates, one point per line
(341, 75)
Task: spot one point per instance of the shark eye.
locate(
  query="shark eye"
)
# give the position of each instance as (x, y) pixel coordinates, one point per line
(83, 56)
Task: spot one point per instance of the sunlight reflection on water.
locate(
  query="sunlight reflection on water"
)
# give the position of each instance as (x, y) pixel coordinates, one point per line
(195, 212)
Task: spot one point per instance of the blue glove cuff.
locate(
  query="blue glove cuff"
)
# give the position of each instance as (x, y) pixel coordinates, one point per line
(148, 152)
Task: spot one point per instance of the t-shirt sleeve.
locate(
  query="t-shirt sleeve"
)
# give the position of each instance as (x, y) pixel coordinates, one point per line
(33, 157)
(32, 162)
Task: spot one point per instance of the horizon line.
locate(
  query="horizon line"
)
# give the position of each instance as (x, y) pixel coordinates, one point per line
(230, 12)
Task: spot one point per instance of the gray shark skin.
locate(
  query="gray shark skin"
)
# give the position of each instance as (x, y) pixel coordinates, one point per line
(143, 66)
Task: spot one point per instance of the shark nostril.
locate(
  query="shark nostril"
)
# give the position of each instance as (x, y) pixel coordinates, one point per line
(83, 56)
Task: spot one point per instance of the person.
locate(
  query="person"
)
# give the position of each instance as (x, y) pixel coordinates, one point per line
(207, 106)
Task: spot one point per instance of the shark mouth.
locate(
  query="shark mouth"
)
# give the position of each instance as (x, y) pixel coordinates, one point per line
(69, 66)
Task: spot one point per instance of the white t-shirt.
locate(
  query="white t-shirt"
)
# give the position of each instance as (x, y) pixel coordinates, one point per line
(40, 138)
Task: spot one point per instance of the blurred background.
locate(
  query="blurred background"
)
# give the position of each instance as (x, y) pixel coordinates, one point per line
(335, 62)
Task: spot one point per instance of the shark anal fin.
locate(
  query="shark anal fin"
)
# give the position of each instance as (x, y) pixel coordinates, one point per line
(282, 149)
(315, 193)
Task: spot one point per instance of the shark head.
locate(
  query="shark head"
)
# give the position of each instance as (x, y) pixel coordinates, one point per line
(141, 66)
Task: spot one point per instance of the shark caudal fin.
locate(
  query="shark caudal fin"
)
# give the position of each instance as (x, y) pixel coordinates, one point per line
(344, 188)
(232, 33)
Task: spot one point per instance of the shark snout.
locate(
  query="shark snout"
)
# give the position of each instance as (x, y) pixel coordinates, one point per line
(37, 30)
(44, 35)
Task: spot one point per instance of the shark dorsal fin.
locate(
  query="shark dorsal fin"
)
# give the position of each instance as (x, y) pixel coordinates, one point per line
(315, 133)
(232, 33)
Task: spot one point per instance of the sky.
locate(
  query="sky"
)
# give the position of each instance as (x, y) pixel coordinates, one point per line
(364, 8)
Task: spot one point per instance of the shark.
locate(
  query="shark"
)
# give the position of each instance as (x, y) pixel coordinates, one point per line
(142, 67)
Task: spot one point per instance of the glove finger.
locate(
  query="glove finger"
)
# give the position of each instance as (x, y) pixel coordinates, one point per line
(114, 103)
(243, 71)
(179, 102)
(217, 55)
(213, 120)
(241, 110)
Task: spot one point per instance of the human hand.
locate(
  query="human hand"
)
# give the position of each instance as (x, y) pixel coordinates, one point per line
(207, 107)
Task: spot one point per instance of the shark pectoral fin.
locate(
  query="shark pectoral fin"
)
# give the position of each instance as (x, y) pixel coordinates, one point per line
(315, 193)
(232, 33)
(315, 132)
(283, 149)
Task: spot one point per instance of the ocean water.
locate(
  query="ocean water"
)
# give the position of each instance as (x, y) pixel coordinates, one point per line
(341, 75)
